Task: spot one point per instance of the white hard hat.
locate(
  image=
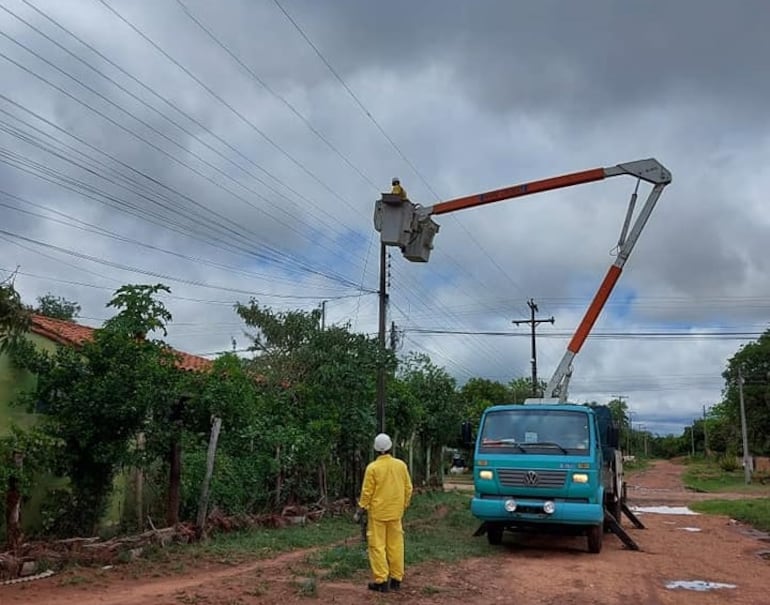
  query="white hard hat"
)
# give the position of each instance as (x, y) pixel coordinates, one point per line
(382, 443)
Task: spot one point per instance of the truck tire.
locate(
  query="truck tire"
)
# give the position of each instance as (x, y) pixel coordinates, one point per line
(595, 535)
(494, 534)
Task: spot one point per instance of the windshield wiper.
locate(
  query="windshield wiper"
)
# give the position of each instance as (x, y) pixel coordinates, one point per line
(543, 443)
(502, 442)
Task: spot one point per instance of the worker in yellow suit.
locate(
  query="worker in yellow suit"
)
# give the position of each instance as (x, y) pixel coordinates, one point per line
(397, 189)
(385, 496)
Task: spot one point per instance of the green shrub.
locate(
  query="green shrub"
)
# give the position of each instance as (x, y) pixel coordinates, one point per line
(728, 463)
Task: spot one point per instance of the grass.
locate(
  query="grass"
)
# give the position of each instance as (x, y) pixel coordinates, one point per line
(340, 561)
(755, 512)
(464, 478)
(707, 476)
(637, 466)
(447, 537)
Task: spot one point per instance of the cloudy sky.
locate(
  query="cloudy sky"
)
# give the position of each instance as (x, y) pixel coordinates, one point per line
(235, 148)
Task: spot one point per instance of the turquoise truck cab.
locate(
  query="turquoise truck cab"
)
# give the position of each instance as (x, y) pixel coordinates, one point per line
(546, 467)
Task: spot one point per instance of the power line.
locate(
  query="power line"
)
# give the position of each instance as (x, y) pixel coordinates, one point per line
(73, 185)
(356, 99)
(598, 335)
(123, 267)
(188, 116)
(269, 89)
(187, 132)
(227, 303)
(390, 140)
(157, 132)
(84, 226)
(242, 117)
(151, 198)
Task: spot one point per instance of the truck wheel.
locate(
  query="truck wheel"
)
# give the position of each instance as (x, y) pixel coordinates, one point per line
(595, 534)
(494, 534)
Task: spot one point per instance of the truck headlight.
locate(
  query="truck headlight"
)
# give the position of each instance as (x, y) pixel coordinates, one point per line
(485, 474)
(548, 507)
(580, 478)
(510, 505)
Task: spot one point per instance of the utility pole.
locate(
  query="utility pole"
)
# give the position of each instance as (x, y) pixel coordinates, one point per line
(744, 431)
(533, 323)
(705, 434)
(381, 340)
(393, 336)
(323, 314)
(692, 439)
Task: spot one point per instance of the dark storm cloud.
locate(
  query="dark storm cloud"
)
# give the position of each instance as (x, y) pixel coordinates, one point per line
(576, 57)
(478, 95)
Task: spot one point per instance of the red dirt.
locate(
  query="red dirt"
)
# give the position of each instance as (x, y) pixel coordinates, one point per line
(527, 570)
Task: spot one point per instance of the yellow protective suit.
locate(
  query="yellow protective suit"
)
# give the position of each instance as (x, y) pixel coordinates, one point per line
(399, 191)
(385, 495)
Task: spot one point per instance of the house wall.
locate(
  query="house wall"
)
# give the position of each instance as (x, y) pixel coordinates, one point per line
(13, 382)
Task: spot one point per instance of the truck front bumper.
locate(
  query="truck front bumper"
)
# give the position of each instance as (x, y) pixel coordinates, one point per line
(530, 511)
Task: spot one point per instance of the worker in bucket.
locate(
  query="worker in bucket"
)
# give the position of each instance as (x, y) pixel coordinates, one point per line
(385, 496)
(397, 189)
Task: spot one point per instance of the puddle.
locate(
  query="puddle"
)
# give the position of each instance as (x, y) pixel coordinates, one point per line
(689, 528)
(664, 510)
(697, 585)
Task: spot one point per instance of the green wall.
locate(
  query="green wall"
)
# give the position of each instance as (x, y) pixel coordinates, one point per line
(13, 382)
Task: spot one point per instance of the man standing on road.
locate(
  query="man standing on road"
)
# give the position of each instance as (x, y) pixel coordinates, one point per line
(385, 495)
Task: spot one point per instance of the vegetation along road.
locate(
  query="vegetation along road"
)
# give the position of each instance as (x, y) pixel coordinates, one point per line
(325, 562)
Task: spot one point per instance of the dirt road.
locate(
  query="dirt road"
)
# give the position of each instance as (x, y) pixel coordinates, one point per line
(531, 570)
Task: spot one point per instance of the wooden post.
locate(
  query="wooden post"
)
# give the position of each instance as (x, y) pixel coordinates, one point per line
(203, 503)
(13, 505)
(139, 485)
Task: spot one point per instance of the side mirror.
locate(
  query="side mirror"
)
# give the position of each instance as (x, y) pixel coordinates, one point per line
(466, 432)
(613, 437)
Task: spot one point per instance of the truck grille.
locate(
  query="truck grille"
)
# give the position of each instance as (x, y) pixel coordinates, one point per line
(532, 478)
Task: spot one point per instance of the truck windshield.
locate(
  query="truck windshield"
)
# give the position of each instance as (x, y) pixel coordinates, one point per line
(527, 430)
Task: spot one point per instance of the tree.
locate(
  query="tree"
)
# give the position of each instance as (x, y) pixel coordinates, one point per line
(139, 312)
(753, 359)
(57, 307)
(435, 389)
(97, 398)
(619, 411)
(521, 388)
(479, 393)
(14, 316)
(319, 390)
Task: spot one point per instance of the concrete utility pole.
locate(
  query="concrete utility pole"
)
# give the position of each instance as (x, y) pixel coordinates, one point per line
(323, 314)
(692, 439)
(381, 340)
(705, 433)
(533, 323)
(744, 431)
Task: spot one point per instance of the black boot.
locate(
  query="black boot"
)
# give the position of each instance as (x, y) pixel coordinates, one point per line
(379, 586)
(395, 584)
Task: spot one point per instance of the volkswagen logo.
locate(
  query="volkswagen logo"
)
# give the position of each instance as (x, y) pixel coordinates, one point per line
(530, 478)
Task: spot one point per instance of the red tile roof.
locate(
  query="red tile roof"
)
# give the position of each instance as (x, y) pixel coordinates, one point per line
(69, 333)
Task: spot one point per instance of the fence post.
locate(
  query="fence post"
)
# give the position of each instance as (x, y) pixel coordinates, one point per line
(204, 499)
